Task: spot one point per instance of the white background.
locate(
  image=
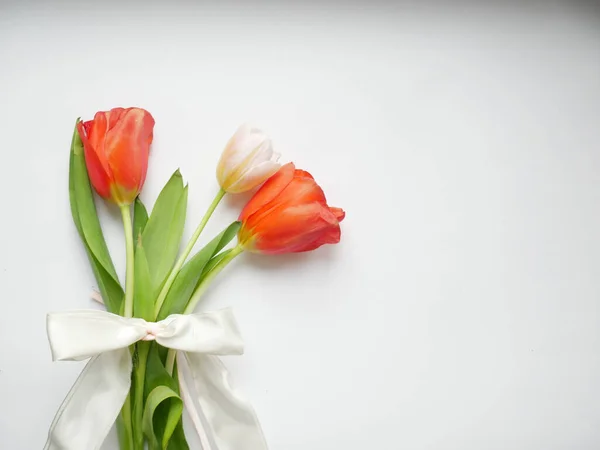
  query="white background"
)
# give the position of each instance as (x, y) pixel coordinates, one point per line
(461, 309)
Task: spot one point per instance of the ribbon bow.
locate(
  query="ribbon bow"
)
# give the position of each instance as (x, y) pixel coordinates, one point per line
(222, 419)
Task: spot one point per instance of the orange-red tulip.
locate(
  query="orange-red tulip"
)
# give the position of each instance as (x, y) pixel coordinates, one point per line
(289, 213)
(116, 145)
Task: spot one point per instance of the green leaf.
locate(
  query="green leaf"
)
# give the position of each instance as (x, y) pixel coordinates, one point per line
(156, 374)
(85, 217)
(112, 292)
(81, 194)
(156, 397)
(140, 218)
(125, 442)
(213, 262)
(143, 300)
(178, 440)
(72, 198)
(165, 412)
(187, 279)
(163, 231)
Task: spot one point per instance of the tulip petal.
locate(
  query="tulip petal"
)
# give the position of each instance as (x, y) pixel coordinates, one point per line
(302, 189)
(331, 235)
(248, 148)
(303, 174)
(96, 135)
(240, 145)
(297, 228)
(339, 213)
(289, 216)
(116, 147)
(254, 177)
(113, 116)
(127, 145)
(261, 153)
(98, 176)
(271, 189)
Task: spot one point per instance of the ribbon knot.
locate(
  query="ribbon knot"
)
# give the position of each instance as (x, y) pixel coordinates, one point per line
(152, 329)
(222, 419)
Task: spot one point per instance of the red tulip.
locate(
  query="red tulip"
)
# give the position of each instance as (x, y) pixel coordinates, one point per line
(117, 144)
(289, 214)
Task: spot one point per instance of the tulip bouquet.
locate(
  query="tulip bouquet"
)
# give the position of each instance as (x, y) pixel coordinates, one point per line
(150, 354)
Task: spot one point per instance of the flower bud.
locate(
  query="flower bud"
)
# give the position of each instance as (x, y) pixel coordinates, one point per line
(247, 161)
(117, 145)
(289, 214)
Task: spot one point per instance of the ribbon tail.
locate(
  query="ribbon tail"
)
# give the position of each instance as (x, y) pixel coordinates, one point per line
(222, 418)
(192, 405)
(92, 405)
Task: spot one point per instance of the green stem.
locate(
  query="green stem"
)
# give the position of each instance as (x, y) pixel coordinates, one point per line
(126, 436)
(200, 290)
(179, 264)
(138, 396)
(203, 286)
(124, 430)
(127, 227)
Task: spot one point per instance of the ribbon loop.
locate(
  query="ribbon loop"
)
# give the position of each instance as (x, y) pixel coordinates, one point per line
(81, 334)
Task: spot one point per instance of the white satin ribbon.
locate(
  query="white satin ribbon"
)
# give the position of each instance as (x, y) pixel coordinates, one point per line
(222, 419)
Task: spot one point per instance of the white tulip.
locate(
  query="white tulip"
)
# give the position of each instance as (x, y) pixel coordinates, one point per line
(247, 161)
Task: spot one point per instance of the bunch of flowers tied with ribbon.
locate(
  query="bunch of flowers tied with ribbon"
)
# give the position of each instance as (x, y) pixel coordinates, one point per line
(150, 354)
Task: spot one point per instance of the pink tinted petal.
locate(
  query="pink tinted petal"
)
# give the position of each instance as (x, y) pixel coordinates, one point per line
(254, 177)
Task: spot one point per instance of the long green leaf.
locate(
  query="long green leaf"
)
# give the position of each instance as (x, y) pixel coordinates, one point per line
(157, 396)
(111, 292)
(165, 413)
(190, 274)
(213, 262)
(86, 221)
(164, 229)
(81, 193)
(178, 440)
(143, 300)
(140, 218)
(156, 374)
(72, 198)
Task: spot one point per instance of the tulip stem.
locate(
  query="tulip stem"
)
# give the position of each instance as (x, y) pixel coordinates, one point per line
(139, 376)
(186, 252)
(199, 292)
(128, 309)
(127, 226)
(124, 426)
